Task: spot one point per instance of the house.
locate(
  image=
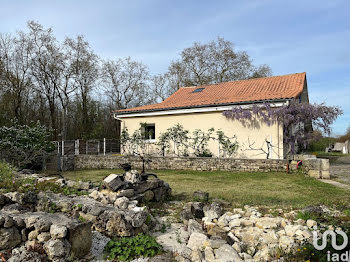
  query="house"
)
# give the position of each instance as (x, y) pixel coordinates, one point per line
(202, 107)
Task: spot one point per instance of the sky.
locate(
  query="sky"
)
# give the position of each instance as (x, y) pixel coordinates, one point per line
(290, 36)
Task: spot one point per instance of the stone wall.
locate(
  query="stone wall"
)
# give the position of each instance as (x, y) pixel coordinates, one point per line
(181, 163)
(318, 168)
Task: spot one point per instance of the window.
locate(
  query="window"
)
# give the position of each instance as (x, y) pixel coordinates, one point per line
(198, 90)
(150, 132)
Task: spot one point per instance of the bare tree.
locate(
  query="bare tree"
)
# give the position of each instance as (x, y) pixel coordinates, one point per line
(125, 82)
(214, 62)
(84, 70)
(15, 56)
(162, 86)
(46, 67)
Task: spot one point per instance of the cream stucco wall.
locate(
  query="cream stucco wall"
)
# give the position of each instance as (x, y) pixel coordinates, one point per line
(255, 135)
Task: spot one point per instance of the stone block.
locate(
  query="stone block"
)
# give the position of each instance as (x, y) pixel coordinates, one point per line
(80, 239)
(324, 164)
(113, 182)
(314, 173)
(325, 174)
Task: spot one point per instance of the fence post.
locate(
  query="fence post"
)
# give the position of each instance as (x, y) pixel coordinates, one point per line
(76, 147)
(87, 147)
(98, 147)
(104, 146)
(58, 148)
(62, 148)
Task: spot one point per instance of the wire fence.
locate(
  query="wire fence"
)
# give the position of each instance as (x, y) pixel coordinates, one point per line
(88, 147)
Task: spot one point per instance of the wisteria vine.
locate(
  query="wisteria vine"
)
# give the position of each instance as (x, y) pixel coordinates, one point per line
(298, 119)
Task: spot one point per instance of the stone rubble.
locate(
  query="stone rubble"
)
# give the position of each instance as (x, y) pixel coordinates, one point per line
(37, 227)
(133, 186)
(241, 234)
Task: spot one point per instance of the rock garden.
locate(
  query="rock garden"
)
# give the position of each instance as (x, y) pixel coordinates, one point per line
(133, 217)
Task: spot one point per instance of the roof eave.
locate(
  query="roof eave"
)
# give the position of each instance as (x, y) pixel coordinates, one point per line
(116, 114)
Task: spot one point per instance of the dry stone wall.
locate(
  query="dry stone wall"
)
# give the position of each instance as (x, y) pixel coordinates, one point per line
(318, 168)
(181, 163)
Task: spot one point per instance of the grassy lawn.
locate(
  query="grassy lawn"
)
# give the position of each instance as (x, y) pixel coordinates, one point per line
(271, 189)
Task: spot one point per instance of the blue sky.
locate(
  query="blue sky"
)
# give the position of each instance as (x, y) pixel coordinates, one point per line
(290, 36)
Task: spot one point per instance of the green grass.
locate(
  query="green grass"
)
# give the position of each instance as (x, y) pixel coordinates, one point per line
(325, 154)
(271, 189)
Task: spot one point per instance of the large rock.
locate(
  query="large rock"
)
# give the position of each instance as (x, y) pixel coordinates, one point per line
(122, 202)
(186, 213)
(80, 239)
(209, 254)
(58, 231)
(196, 241)
(197, 210)
(194, 226)
(226, 253)
(9, 238)
(132, 176)
(114, 182)
(148, 185)
(114, 224)
(315, 210)
(268, 222)
(4, 200)
(138, 216)
(174, 240)
(57, 249)
(212, 211)
(160, 193)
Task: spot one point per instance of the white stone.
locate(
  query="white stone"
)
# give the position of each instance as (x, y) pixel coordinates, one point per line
(58, 231)
(122, 202)
(237, 247)
(57, 248)
(196, 241)
(209, 254)
(234, 223)
(43, 237)
(311, 223)
(263, 254)
(247, 222)
(226, 253)
(233, 237)
(268, 222)
(291, 229)
(235, 216)
(196, 255)
(286, 242)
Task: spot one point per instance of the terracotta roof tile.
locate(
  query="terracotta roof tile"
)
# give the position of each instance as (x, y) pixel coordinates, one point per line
(259, 89)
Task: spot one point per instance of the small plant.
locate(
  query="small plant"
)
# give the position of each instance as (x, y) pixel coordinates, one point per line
(53, 207)
(72, 191)
(81, 219)
(307, 216)
(129, 248)
(178, 237)
(77, 207)
(163, 228)
(347, 212)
